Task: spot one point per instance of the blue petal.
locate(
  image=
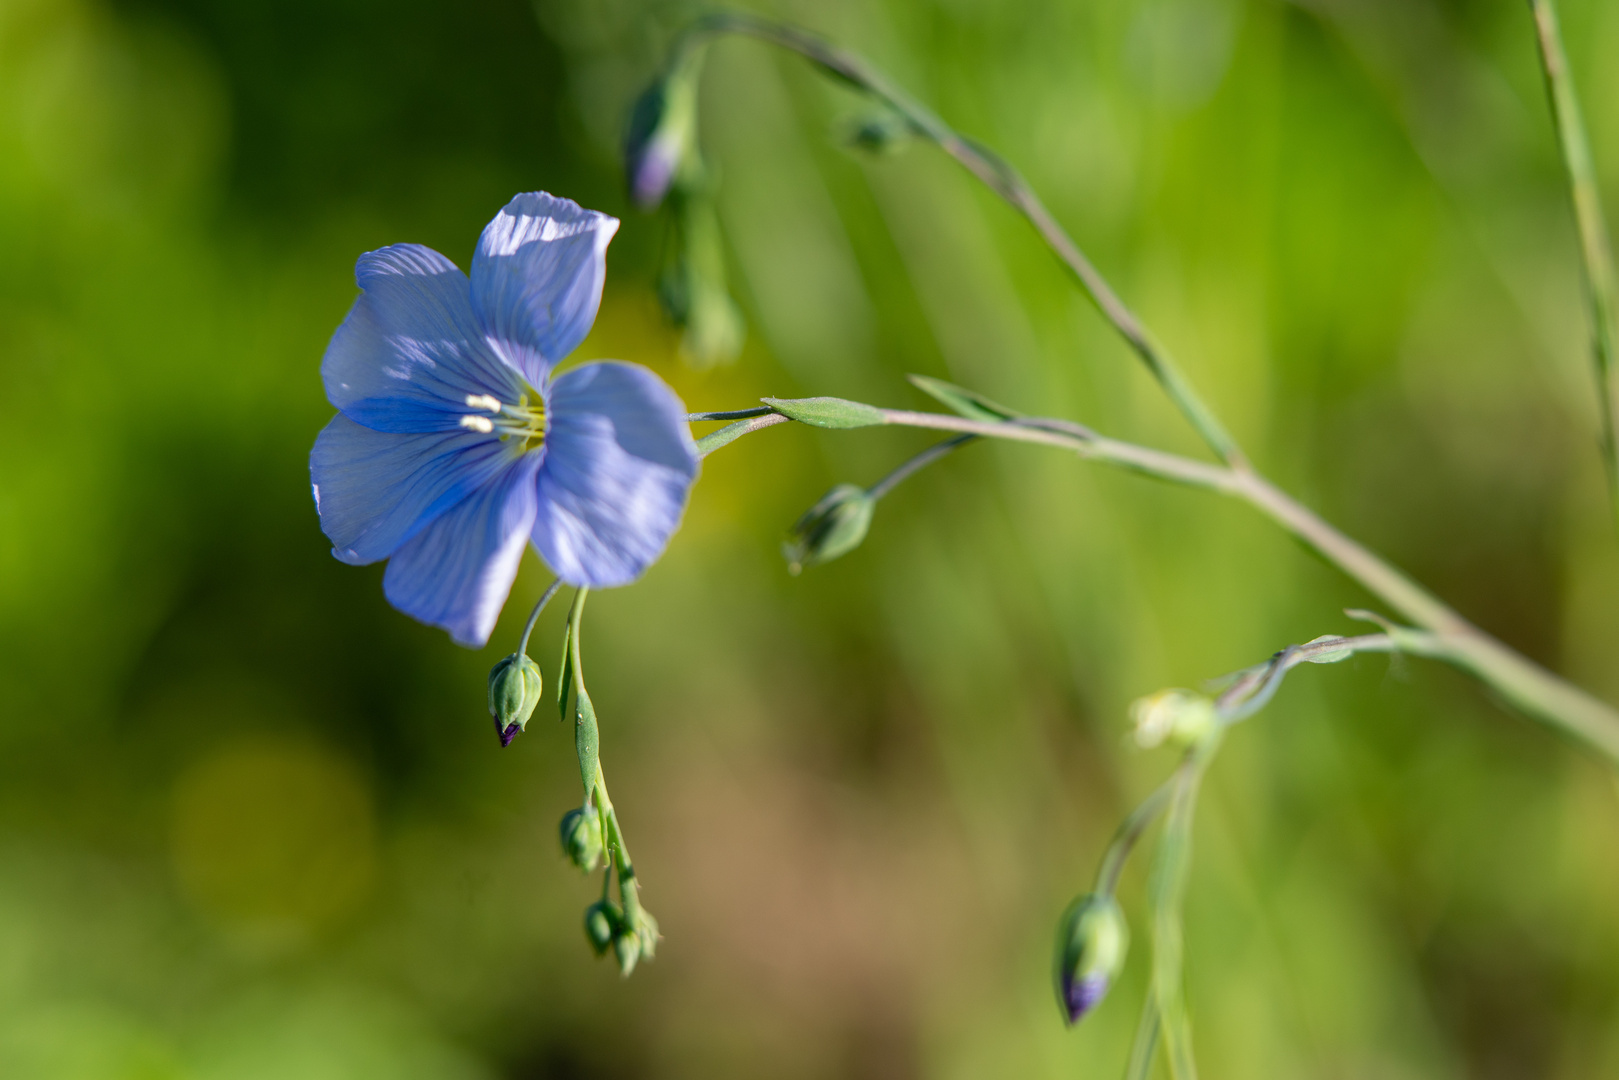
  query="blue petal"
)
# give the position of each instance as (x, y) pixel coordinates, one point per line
(619, 462)
(411, 350)
(537, 278)
(375, 490)
(457, 572)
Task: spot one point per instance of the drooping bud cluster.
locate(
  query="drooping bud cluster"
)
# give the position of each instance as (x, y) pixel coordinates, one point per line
(514, 690)
(832, 527)
(1092, 940)
(631, 936)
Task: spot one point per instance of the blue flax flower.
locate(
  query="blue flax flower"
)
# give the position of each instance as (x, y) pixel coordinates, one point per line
(454, 442)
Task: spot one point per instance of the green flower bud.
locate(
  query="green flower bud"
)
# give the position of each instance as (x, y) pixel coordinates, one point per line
(582, 838)
(834, 526)
(1179, 717)
(627, 949)
(661, 135)
(514, 690)
(603, 924)
(1092, 940)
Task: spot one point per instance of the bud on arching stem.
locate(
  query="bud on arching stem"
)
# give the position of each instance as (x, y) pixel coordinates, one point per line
(514, 690)
(832, 527)
(1092, 940)
(662, 132)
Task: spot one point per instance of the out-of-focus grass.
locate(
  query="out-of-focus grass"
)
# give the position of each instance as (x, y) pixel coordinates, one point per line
(253, 822)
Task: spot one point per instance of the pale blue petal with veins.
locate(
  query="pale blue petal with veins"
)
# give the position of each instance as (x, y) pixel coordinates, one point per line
(454, 444)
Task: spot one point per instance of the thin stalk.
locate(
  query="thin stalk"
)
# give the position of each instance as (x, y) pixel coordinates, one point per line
(731, 432)
(1141, 1052)
(534, 616)
(1528, 686)
(1168, 891)
(1128, 833)
(1006, 182)
(1251, 690)
(629, 891)
(612, 835)
(917, 463)
(732, 414)
(1595, 248)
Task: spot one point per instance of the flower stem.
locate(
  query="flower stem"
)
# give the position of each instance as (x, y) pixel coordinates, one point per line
(534, 616)
(1527, 685)
(1128, 833)
(754, 421)
(916, 464)
(612, 834)
(1006, 182)
(733, 414)
(1600, 280)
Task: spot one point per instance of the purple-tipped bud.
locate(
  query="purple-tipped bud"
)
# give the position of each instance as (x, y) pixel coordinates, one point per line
(1092, 940)
(661, 134)
(514, 690)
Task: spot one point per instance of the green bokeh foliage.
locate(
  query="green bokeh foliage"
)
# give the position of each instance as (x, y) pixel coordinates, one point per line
(253, 823)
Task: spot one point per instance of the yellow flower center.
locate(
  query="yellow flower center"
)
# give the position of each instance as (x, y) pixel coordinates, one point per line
(523, 421)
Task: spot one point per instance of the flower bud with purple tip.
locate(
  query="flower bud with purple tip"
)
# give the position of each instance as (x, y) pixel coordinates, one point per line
(1092, 940)
(514, 690)
(662, 133)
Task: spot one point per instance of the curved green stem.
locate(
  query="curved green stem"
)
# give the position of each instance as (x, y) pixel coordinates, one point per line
(1528, 686)
(916, 464)
(1001, 178)
(1595, 249)
(754, 421)
(629, 891)
(1126, 836)
(534, 616)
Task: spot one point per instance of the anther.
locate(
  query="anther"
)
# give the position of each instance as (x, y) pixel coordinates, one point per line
(478, 423)
(484, 401)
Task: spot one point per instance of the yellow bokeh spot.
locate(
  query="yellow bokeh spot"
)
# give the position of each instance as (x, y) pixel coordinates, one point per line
(274, 837)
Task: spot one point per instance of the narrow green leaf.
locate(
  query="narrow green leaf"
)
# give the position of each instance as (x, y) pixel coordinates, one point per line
(1332, 656)
(586, 740)
(565, 674)
(962, 402)
(828, 412)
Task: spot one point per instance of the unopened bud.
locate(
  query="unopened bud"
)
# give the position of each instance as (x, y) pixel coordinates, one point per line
(1092, 940)
(514, 690)
(627, 950)
(662, 125)
(582, 838)
(603, 924)
(832, 527)
(1179, 717)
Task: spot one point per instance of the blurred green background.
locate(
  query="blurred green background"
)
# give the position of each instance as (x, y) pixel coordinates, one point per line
(254, 824)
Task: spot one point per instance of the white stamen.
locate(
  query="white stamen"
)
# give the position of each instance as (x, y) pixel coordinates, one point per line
(478, 423)
(483, 401)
